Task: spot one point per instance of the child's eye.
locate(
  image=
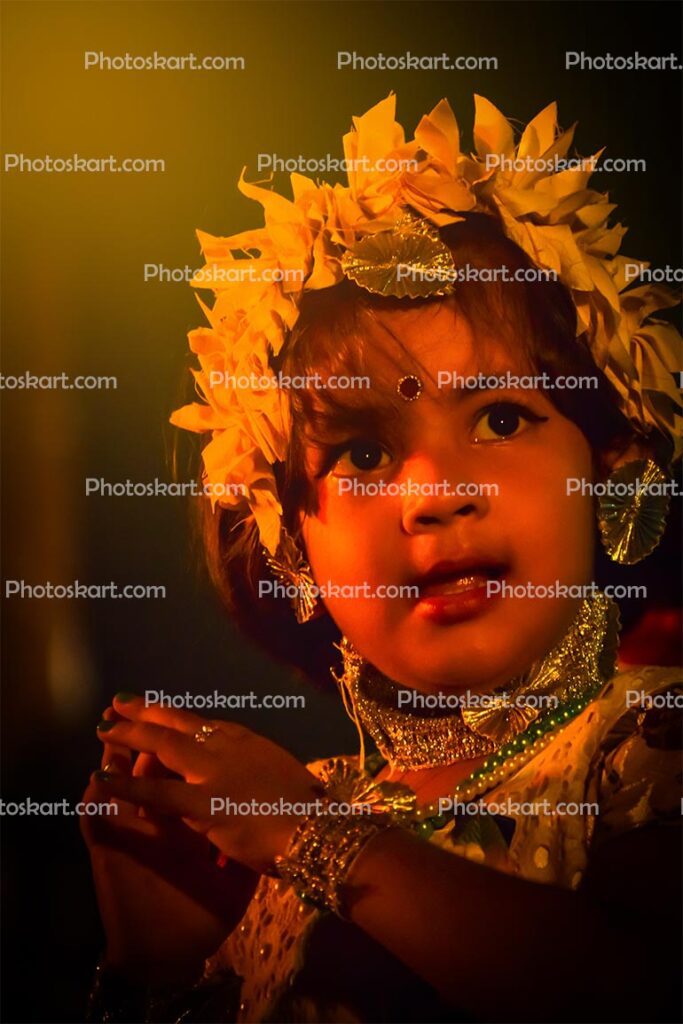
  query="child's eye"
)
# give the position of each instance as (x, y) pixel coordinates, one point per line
(503, 420)
(359, 457)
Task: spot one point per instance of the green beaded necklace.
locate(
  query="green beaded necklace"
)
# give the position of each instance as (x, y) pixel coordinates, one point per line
(511, 757)
(577, 669)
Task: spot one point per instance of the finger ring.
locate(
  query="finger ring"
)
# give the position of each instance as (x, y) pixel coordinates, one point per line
(204, 733)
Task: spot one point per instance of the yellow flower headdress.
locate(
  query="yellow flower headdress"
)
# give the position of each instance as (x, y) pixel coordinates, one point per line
(389, 216)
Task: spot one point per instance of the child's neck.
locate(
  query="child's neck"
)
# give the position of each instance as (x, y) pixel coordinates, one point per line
(430, 783)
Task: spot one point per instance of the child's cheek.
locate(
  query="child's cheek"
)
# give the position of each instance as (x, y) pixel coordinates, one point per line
(352, 539)
(551, 524)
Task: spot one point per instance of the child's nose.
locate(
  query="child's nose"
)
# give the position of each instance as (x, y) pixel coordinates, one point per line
(429, 513)
(436, 503)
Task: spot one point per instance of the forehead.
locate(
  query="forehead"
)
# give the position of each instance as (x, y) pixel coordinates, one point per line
(436, 337)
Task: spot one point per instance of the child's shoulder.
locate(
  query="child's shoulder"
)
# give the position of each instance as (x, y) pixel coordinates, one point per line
(639, 769)
(645, 701)
(647, 678)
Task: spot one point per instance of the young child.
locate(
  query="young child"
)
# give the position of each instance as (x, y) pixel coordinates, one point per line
(400, 443)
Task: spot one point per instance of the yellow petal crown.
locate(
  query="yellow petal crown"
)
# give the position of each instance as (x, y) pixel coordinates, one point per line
(323, 233)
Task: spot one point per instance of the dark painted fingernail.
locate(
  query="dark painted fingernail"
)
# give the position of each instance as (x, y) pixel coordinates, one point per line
(124, 696)
(105, 726)
(103, 776)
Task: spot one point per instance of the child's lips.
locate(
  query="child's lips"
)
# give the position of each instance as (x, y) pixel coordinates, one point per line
(452, 592)
(456, 585)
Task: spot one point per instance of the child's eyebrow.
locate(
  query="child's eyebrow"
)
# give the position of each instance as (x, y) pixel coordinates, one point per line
(376, 415)
(488, 380)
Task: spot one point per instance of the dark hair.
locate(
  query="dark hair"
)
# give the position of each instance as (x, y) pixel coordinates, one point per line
(537, 316)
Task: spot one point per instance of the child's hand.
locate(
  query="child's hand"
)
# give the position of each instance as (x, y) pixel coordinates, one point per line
(164, 902)
(230, 766)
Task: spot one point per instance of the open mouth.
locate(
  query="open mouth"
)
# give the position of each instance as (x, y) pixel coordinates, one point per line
(448, 579)
(452, 592)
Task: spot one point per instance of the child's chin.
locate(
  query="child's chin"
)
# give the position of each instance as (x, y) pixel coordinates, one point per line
(482, 653)
(458, 678)
(477, 667)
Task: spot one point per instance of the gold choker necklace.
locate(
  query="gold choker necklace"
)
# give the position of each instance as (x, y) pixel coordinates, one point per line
(426, 737)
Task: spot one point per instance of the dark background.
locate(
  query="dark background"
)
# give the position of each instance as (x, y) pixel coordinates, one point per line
(74, 246)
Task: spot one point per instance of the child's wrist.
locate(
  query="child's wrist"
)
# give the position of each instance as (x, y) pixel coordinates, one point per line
(321, 855)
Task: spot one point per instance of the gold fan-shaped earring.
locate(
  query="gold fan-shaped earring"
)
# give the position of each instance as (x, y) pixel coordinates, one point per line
(290, 568)
(632, 514)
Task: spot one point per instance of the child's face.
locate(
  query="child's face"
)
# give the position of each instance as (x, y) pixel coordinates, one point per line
(530, 532)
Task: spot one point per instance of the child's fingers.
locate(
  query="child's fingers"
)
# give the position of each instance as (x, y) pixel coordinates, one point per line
(137, 710)
(117, 757)
(148, 766)
(121, 761)
(175, 750)
(160, 796)
(118, 760)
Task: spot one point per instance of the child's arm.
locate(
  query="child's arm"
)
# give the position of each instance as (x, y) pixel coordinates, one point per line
(481, 938)
(165, 903)
(485, 939)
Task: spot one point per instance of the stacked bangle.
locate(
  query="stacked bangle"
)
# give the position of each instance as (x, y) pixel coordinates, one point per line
(321, 853)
